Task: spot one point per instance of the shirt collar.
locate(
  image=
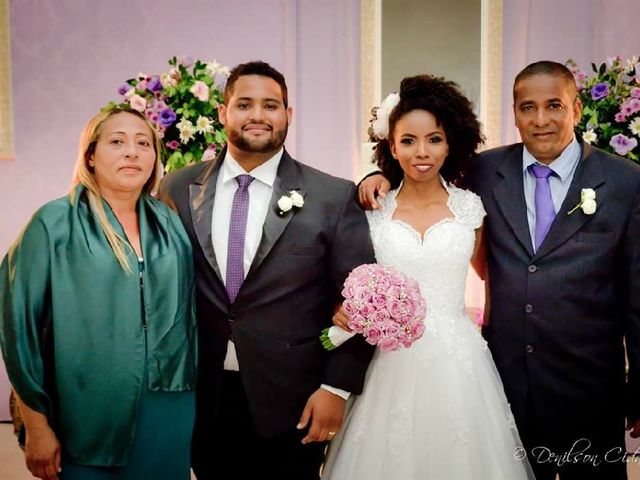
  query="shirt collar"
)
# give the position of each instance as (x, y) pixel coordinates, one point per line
(265, 173)
(561, 166)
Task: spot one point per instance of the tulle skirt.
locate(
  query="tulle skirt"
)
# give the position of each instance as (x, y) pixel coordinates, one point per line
(434, 411)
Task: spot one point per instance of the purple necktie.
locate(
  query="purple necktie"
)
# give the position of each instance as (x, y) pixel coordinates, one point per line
(237, 230)
(545, 212)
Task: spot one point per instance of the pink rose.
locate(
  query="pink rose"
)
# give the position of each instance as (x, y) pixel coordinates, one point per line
(389, 344)
(372, 335)
(137, 103)
(363, 295)
(209, 154)
(391, 329)
(200, 90)
(417, 330)
(349, 308)
(395, 308)
(382, 285)
(405, 340)
(367, 310)
(407, 307)
(393, 293)
(380, 300)
(348, 291)
(381, 316)
(357, 324)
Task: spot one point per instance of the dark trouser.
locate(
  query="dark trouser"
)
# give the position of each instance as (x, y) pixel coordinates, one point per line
(596, 453)
(240, 453)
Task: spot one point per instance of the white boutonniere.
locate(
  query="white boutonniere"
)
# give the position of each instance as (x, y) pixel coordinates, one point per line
(587, 202)
(287, 202)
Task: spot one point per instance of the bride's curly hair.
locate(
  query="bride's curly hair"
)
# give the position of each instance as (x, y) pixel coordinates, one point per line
(452, 110)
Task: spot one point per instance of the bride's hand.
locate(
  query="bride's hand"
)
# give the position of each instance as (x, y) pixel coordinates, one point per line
(340, 319)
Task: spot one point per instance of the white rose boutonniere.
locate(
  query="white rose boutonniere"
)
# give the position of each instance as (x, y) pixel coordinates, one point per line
(587, 202)
(287, 202)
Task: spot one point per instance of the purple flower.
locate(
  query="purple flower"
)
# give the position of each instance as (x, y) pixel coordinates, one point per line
(124, 88)
(623, 144)
(600, 90)
(166, 117)
(172, 145)
(154, 85)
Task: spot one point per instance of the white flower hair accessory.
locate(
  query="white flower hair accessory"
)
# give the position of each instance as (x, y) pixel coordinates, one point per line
(587, 202)
(287, 202)
(380, 125)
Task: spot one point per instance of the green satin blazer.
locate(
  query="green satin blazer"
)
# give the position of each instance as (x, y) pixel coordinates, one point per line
(72, 323)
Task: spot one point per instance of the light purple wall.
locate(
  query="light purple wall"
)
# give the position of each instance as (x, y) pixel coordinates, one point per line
(70, 56)
(585, 30)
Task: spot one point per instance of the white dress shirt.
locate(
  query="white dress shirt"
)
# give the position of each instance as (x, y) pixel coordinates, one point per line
(260, 193)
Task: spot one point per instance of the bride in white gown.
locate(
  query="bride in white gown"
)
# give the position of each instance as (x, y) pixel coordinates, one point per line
(437, 410)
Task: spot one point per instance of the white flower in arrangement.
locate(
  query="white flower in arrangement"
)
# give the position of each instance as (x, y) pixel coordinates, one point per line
(380, 126)
(287, 202)
(587, 202)
(634, 126)
(212, 68)
(204, 124)
(590, 137)
(185, 127)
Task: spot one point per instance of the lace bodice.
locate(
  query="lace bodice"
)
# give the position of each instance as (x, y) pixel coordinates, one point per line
(439, 260)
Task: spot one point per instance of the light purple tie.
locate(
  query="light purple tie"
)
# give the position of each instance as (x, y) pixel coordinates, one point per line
(237, 230)
(545, 212)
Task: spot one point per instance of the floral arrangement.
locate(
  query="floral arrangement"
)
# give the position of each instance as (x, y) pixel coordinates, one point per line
(611, 106)
(383, 305)
(182, 106)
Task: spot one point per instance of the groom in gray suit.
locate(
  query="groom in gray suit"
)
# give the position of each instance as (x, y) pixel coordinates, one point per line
(273, 242)
(563, 282)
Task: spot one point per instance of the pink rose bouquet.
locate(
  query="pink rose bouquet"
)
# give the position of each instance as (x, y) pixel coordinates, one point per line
(383, 305)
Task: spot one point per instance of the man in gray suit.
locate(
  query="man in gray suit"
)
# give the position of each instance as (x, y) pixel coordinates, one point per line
(273, 242)
(563, 282)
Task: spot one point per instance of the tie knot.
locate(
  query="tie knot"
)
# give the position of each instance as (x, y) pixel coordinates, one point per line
(540, 171)
(244, 181)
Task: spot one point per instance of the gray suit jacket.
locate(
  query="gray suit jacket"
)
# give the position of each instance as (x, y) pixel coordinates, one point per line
(557, 318)
(288, 295)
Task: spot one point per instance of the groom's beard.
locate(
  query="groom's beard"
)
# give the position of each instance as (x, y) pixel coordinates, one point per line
(255, 145)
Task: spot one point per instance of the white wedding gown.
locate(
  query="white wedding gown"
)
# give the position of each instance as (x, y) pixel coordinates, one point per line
(437, 410)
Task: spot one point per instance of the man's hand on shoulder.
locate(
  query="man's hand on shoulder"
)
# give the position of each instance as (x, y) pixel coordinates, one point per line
(369, 188)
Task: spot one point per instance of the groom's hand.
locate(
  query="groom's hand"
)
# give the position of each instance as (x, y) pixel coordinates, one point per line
(325, 410)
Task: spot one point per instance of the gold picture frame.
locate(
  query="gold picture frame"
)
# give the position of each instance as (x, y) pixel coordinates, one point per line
(6, 110)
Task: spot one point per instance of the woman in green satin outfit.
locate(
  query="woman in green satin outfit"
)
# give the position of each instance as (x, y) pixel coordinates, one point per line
(97, 326)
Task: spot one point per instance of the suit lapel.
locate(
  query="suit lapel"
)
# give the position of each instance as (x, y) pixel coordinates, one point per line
(201, 196)
(275, 224)
(509, 196)
(589, 174)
